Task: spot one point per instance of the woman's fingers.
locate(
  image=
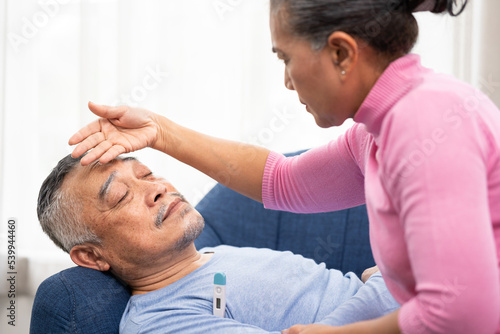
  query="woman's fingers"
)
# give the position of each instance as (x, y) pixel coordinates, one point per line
(368, 273)
(293, 330)
(96, 126)
(96, 153)
(85, 132)
(107, 111)
(87, 144)
(118, 130)
(112, 153)
(104, 153)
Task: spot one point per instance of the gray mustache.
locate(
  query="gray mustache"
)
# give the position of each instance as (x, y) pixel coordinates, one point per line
(164, 208)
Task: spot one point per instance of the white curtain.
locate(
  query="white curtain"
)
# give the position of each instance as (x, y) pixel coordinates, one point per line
(488, 48)
(206, 64)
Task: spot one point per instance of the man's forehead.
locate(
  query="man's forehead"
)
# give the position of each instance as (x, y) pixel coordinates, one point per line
(97, 167)
(94, 172)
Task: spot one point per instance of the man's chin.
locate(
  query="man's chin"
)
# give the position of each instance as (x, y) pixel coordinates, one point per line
(192, 231)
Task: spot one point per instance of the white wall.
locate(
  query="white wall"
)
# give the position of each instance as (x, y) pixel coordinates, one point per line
(467, 47)
(489, 48)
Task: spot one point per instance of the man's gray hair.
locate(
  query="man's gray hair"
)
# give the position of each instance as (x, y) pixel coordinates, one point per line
(59, 212)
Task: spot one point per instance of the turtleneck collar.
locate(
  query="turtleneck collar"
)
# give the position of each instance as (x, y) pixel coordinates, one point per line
(393, 84)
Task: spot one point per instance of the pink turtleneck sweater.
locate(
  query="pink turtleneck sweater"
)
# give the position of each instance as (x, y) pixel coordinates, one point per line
(424, 155)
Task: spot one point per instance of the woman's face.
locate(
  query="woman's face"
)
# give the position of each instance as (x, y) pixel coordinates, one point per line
(314, 75)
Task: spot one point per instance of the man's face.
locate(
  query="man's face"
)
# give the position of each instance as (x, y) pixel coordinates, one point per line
(142, 220)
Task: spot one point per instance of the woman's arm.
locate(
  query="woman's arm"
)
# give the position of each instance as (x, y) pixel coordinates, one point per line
(236, 165)
(326, 178)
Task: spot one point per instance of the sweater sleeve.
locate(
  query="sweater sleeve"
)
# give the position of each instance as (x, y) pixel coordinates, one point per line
(435, 171)
(323, 179)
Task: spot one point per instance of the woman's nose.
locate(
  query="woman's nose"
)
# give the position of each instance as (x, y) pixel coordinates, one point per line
(288, 82)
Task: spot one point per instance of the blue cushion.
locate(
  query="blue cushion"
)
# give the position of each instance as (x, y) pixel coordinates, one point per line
(79, 300)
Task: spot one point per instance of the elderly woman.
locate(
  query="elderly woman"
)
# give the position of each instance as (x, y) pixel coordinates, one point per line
(424, 155)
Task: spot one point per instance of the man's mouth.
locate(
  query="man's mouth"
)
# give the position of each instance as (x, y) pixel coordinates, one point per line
(172, 206)
(166, 210)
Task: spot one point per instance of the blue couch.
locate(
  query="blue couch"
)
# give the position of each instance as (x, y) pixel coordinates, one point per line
(81, 300)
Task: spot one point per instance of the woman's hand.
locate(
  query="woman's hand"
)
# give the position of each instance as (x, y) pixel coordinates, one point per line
(119, 130)
(311, 329)
(368, 273)
(388, 324)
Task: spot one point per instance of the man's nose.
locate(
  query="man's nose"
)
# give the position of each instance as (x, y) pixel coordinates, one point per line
(155, 193)
(288, 81)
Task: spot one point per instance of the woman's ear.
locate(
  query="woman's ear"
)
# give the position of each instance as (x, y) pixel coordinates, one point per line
(89, 256)
(344, 51)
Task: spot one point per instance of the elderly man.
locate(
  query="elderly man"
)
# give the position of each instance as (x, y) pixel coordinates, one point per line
(123, 218)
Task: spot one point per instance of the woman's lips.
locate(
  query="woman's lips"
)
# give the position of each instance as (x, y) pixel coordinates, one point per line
(307, 107)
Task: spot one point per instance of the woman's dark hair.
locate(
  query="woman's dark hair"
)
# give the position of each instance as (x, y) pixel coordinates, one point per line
(438, 6)
(388, 26)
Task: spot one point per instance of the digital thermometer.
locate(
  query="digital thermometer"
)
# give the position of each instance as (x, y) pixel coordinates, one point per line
(220, 295)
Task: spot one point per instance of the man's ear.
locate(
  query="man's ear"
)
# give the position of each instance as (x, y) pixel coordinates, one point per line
(344, 51)
(89, 256)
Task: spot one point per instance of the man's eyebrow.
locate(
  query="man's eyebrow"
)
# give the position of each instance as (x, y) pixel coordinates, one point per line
(105, 187)
(130, 159)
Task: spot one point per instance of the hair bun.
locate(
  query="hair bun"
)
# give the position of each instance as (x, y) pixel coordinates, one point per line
(423, 6)
(436, 6)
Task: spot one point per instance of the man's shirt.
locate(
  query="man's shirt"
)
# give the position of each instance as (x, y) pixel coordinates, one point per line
(266, 291)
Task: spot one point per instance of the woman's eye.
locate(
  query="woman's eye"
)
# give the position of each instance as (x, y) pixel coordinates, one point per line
(283, 60)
